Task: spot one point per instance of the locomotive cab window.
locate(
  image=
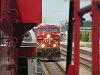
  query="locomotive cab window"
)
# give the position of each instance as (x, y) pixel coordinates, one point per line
(41, 30)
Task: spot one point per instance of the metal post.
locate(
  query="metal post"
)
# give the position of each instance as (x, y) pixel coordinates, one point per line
(70, 35)
(95, 38)
(77, 24)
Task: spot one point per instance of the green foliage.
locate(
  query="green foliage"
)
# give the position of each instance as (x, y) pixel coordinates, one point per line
(63, 26)
(84, 37)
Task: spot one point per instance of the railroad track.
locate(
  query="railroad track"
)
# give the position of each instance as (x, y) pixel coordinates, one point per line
(57, 68)
(52, 68)
(85, 56)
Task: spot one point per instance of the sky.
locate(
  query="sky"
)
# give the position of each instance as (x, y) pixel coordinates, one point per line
(57, 11)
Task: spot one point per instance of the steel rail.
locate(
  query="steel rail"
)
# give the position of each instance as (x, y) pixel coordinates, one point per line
(53, 68)
(85, 57)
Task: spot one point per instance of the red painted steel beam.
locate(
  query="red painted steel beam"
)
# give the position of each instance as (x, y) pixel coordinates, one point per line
(30, 10)
(95, 38)
(85, 10)
(77, 23)
(74, 69)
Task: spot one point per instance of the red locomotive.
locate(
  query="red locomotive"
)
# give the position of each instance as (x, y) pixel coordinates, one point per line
(48, 40)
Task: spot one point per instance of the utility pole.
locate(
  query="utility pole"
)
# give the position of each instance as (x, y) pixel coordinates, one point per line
(70, 35)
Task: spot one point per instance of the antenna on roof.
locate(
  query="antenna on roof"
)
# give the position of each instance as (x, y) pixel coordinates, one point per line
(44, 21)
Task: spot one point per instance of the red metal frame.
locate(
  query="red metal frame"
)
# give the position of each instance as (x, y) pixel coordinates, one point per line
(76, 36)
(30, 10)
(16, 15)
(74, 69)
(95, 39)
(27, 51)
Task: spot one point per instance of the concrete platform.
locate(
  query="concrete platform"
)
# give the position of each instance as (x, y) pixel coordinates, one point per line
(82, 70)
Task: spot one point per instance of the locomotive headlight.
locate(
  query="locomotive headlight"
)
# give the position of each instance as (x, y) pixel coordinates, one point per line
(48, 36)
(54, 45)
(42, 45)
(37, 43)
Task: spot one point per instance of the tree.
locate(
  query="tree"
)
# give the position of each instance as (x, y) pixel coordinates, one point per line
(64, 26)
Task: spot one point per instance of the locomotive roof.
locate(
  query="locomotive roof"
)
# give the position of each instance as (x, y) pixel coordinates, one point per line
(48, 26)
